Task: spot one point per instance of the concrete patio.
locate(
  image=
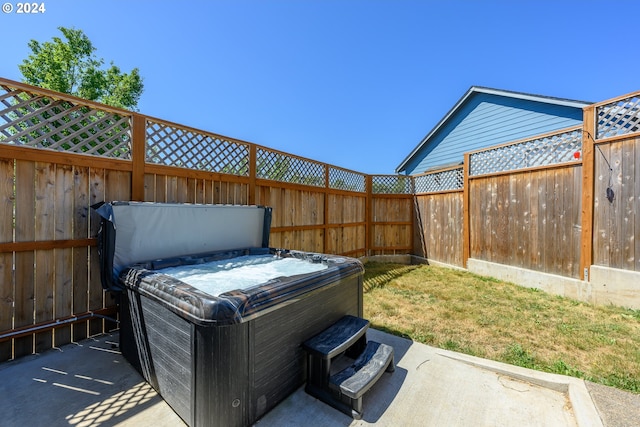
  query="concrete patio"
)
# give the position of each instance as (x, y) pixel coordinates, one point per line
(91, 384)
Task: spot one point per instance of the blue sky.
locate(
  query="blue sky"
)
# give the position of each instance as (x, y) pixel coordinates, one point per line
(356, 84)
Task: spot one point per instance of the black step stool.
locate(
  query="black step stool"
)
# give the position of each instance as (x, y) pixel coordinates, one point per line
(344, 390)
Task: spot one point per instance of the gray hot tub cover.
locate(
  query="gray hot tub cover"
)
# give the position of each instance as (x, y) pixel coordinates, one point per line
(133, 232)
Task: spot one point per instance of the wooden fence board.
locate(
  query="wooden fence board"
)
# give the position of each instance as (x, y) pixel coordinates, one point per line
(577, 219)
(476, 218)
(80, 256)
(458, 238)
(63, 291)
(551, 233)
(391, 215)
(437, 224)
(615, 237)
(182, 189)
(243, 194)
(486, 229)
(528, 219)
(207, 191)
(335, 209)
(561, 246)
(441, 216)
(636, 207)
(45, 208)
(110, 185)
(160, 193)
(636, 204)
(601, 208)
(627, 196)
(524, 228)
(172, 189)
(615, 224)
(492, 220)
(199, 191)
(543, 221)
(431, 229)
(6, 259)
(272, 196)
(514, 216)
(569, 205)
(6, 200)
(189, 196)
(497, 211)
(533, 261)
(100, 180)
(149, 187)
(556, 219)
(344, 209)
(219, 192)
(24, 261)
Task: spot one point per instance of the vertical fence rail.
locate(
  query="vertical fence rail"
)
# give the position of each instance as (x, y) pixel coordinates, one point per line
(7, 197)
(466, 204)
(586, 238)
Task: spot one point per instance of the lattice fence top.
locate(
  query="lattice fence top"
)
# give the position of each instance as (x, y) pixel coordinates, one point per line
(391, 184)
(32, 120)
(346, 180)
(282, 167)
(174, 146)
(554, 149)
(451, 179)
(618, 118)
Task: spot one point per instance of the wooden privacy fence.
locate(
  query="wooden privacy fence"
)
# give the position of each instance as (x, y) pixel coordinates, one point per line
(59, 155)
(439, 215)
(542, 203)
(612, 161)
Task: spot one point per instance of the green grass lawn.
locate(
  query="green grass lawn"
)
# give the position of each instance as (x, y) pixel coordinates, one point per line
(481, 316)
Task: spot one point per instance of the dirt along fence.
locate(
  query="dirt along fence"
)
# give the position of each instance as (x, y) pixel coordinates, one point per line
(59, 155)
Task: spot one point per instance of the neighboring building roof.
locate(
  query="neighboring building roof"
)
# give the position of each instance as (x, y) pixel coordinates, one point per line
(550, 111)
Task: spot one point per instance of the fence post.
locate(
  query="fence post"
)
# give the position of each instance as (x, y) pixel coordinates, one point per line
(253, 172)
(588, 170)
(138, 156)
(466, 194)
(412, 193)
(369, 238)
(325, 220)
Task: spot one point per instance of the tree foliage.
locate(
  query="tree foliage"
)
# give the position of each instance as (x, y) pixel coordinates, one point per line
(70, 66)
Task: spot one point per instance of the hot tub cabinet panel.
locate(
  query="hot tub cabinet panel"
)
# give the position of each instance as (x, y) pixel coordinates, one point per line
(220, 358)
(230, 375)
(160, 347)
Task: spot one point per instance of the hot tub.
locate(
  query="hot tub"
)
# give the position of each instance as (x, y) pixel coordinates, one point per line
(224, 350)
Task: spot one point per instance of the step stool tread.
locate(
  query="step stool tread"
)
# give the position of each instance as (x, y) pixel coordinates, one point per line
(338, 337)
(356, 379)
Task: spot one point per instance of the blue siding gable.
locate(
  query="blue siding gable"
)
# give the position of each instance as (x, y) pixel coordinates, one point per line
(484, 120)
